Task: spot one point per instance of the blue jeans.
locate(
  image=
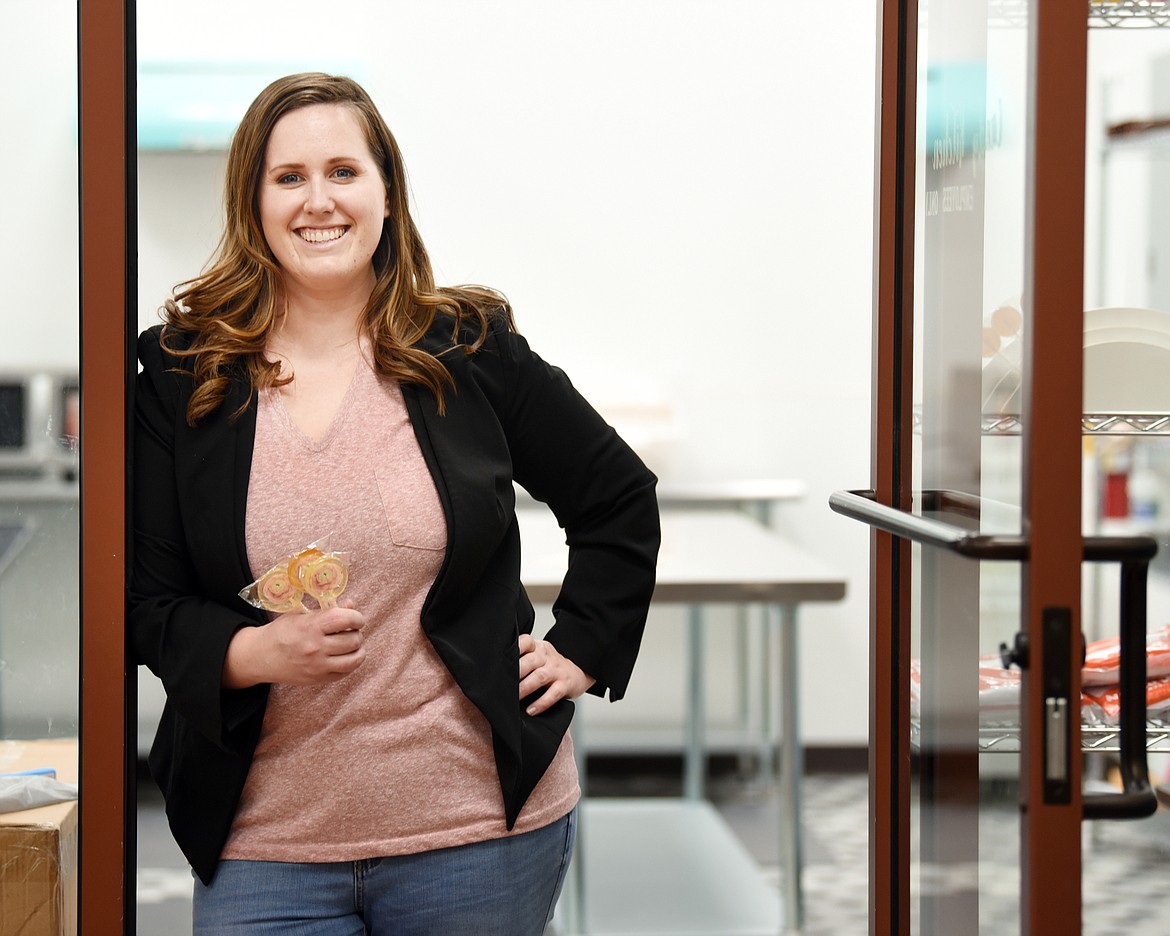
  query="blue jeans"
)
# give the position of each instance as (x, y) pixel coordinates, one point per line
(501, 887)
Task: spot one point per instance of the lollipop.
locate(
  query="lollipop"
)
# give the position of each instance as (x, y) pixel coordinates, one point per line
(322, 574)
(306, 556)
(278, 591)
(324, 578)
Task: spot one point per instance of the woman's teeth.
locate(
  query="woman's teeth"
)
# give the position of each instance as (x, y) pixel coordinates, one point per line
(315, 236)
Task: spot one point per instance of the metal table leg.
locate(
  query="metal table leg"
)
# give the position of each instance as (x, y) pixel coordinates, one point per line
(694, 767)
(791, 772)
(745, 700)
(766, 754)
(766, 674)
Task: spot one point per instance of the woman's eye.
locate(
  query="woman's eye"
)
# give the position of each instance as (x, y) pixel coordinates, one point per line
(288, 178)
(344, 173)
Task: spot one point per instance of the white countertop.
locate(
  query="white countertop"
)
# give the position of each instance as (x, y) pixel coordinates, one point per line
(746, 490)
(707, 555)
(742, 491)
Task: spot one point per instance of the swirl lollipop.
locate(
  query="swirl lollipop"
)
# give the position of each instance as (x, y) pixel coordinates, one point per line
(324, 578)
(278, 591)
(306, 556)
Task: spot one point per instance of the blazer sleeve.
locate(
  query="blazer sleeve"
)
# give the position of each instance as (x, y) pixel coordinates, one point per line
(174, 627)
(565, 454)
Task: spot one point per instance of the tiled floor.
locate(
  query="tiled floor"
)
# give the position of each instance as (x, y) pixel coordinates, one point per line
(1126, 879)
(1125, 883)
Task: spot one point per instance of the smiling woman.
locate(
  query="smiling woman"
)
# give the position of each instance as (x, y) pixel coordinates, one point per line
(322, 204)
(273, 288)
(315, 379)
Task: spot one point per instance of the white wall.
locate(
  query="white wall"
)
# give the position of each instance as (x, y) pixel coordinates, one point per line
(38, 163)
(1116, 232)
(678, 192)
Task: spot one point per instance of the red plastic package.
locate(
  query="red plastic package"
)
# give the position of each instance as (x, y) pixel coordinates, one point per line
(1157, 699)
(1103, 659)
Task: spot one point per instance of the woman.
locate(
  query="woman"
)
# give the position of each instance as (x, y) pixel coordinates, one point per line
(398, 763)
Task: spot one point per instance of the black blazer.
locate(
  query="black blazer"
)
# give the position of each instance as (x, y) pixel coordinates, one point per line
(510, 417)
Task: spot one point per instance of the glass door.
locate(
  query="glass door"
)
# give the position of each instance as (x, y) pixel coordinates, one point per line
(977, 773)
(971, 152)
(39, 437)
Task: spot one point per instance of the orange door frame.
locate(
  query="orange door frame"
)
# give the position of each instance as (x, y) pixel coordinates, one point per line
(106, 174)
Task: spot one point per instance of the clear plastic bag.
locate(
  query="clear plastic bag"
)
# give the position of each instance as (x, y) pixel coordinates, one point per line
(316, 571)
(28, 791)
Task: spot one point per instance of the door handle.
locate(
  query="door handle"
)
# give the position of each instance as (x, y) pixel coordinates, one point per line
(1136, 799)
(1056, 680)
(1134, 553)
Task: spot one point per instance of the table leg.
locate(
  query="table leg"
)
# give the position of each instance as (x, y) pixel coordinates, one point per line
(766, 758)
(791, 772)
(745, 676)
(766, 674)
(694, 768)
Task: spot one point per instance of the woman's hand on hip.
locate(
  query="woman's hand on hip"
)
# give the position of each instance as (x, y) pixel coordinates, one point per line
(299, 648)
(541, 665)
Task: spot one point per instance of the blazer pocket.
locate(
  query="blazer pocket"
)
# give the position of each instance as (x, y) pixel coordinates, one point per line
(414, 514)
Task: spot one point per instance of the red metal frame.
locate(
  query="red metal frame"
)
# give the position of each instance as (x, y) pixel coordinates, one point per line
(103, 886)
(893, 317)
(1053, 310)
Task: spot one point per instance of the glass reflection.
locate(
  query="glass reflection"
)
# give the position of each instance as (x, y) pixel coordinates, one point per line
(1126, 464)
(972, 109)
(39, 401)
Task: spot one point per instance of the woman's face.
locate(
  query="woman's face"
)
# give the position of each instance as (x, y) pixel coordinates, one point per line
(322, 202)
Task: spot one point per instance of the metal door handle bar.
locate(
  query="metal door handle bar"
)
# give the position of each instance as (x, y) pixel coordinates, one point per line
(1136, 800)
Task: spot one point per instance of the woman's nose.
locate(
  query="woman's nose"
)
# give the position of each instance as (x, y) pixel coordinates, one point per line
(317, 196)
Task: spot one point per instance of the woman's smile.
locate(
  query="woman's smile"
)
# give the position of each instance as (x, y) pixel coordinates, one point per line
(321, 235)
(322, 201)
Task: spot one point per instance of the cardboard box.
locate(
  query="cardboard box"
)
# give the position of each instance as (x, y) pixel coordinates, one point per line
(38, 848)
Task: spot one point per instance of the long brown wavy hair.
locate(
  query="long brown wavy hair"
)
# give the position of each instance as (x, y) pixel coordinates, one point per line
(219, 321)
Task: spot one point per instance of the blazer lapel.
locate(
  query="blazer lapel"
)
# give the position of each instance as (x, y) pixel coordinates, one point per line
(464, 616)
(467, 455)
(214, 467)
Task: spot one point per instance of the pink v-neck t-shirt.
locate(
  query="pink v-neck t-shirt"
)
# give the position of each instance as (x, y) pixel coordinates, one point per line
(392, 759)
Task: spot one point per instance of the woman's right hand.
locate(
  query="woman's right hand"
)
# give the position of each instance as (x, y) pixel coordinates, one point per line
(299, 648)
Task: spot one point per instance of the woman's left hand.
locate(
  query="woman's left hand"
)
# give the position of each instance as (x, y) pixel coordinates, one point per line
(542, 665)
